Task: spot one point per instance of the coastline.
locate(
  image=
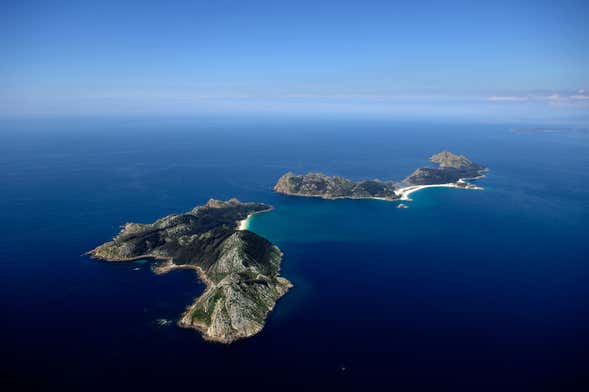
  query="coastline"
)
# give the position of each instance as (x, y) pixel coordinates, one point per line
(185, 321)
(405, 192)
(244, 223)
(339, 197)
(166, 265)
(461, 184)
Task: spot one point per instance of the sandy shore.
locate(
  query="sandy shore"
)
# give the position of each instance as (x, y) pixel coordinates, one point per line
(405, 192)
(243, 224)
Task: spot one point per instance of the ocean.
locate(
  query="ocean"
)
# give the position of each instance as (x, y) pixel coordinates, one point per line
(464, 290)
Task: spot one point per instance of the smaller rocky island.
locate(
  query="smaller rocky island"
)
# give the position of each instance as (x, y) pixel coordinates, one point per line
(453, 170)
(241, 269)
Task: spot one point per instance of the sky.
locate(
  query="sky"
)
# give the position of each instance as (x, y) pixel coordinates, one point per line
(528, 58)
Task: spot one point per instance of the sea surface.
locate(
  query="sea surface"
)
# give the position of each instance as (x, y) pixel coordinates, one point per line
(463, 291)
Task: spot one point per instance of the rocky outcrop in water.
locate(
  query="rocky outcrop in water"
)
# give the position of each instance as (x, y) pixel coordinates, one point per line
(240, 268)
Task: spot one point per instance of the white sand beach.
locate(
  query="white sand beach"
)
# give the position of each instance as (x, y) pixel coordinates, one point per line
(244, 223)
(405, 192)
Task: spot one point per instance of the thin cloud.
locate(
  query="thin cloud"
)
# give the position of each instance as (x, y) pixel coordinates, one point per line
(553, 97)
(581, 96)
(511, 98)
(549, 98)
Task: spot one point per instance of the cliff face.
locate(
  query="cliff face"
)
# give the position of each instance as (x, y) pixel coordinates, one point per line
(330, 187)
(241, 269)
(451, 168)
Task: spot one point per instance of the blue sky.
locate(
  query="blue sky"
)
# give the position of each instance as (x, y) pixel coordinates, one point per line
(76, 57)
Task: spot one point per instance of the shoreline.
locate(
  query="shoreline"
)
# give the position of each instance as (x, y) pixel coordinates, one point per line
(339, 197)
(244, 223)
(405, 192)
(185, 321)
(164, 265)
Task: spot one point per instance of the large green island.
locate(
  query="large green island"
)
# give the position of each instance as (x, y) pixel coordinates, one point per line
(241, 269)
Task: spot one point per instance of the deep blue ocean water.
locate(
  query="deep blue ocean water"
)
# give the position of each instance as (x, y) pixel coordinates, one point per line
(464, 290)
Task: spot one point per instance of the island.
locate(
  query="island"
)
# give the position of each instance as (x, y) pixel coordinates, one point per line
(453, 171)
(241, 270)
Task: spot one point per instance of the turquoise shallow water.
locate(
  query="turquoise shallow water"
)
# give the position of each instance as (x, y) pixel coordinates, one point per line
(464, 290)
(299, 219)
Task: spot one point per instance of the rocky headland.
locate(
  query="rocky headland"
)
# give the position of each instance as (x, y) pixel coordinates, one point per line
(241, 269)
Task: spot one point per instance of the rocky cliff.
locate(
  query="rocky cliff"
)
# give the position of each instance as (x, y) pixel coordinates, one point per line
(240, 268)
